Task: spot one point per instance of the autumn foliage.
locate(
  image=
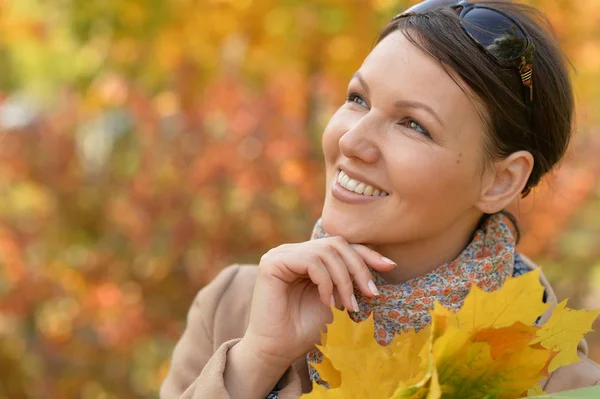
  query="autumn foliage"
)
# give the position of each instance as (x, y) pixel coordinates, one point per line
(491, 348)
(145, 144)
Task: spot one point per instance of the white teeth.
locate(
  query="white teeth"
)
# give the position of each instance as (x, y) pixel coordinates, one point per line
(359, 187)
(351, 185)
(345, 179)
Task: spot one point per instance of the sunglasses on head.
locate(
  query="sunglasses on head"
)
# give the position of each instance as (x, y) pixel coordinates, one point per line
(496, 32)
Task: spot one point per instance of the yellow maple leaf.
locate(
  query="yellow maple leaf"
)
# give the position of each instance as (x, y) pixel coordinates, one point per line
(411, 351)
(354, 359)
(429, 389)
(563, 331)
(423, 385)
(491, 336)
(493, 361)
(328, 372)
(506, 340)
(489, 348)
(519, 299)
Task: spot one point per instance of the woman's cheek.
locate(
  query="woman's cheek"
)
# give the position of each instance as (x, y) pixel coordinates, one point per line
(423, 176)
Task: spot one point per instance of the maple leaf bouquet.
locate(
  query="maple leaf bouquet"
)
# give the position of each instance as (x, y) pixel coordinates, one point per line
(491, 348)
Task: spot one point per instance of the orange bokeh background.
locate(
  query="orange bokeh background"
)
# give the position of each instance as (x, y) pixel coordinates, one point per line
(146, 144)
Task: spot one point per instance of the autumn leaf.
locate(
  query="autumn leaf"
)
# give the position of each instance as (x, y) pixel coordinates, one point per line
(422, 385)
(506, 340)
(349, 334)
(488, 349)
(429, 389)
(493, 361)
(355, 356)
(492, 364)
(519, 299)
(563, 331)
(328, 372)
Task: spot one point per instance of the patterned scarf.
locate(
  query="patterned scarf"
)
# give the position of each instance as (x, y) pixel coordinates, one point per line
(487, 261)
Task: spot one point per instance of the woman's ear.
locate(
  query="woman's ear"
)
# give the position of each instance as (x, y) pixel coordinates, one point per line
(505, 181)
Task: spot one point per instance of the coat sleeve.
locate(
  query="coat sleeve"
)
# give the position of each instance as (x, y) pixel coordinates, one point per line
(199, 358)
(586, 373)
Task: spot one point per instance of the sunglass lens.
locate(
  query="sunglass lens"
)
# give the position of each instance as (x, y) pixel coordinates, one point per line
(500, 35)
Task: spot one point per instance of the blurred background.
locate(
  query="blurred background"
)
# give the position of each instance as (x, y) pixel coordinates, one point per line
(146, 144)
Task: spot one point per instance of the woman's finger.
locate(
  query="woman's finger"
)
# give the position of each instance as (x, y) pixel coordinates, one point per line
(289, 269)
(340, 276)
(319, 275)
(373, 258)
(358, 269)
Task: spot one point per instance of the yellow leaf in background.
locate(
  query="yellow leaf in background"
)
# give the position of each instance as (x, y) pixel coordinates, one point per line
(519, 299)
(563, 331)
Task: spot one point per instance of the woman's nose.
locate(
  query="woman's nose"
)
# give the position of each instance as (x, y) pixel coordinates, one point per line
(359, 141)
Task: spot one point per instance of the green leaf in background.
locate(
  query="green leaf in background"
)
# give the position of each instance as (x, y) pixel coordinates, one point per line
(583, 393)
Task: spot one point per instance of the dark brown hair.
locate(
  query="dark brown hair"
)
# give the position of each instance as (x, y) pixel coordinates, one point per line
(499, 89)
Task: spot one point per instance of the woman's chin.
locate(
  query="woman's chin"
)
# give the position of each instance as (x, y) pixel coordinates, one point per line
(350, 227)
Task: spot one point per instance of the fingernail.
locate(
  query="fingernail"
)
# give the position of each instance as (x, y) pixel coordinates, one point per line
(332, 301)
(354, 303)
(373, 288)
(388, 260)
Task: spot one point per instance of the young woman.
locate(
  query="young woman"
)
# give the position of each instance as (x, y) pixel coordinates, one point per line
(458, 110)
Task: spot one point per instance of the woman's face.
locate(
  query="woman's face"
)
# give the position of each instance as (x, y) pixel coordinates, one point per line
(413, 135)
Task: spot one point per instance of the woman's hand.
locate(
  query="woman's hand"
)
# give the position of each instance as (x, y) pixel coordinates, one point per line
(295, 287)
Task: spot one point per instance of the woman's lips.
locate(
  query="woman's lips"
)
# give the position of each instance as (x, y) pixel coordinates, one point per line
(350, 197)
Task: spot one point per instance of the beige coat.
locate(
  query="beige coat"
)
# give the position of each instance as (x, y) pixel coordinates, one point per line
(218, 319)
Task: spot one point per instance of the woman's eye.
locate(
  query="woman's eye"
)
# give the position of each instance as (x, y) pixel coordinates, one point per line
(416, 126)
(355, 98)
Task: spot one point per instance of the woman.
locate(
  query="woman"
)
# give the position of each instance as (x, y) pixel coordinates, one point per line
(457, 111)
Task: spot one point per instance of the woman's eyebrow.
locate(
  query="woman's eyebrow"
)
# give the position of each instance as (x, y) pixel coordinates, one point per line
(400, 103)
(364, 84)
(416, 104)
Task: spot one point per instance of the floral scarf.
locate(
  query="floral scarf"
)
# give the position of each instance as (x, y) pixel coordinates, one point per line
(487, 261)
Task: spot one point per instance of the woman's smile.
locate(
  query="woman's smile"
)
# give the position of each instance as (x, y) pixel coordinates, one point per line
(354, 190)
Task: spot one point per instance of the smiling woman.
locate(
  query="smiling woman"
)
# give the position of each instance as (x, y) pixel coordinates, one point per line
(416, 133)
(442, 128)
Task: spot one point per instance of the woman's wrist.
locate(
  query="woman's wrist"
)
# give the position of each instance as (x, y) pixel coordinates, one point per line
(251, 373)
